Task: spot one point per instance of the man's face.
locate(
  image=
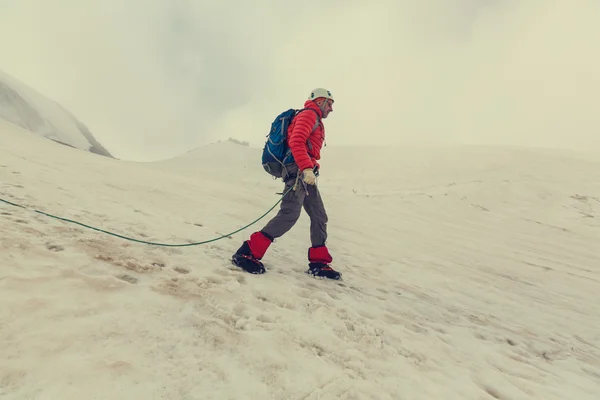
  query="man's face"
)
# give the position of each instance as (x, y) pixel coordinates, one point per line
(326, 107)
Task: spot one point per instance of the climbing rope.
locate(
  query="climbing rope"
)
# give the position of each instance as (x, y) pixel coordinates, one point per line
(152, 243)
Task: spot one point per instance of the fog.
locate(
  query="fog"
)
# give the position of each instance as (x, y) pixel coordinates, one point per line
(155, 78)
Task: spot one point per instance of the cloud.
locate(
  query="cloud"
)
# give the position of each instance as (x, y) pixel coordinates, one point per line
(155, 78)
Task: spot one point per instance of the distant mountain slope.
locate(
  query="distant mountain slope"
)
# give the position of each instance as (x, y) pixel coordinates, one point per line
(25, 107)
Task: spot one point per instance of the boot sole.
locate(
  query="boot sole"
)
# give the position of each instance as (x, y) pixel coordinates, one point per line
(245, 270)
(339, 278)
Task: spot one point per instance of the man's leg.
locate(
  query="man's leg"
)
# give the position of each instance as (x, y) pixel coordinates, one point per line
(313, 204)
(289, 211)
(318, 254)
(248, 256)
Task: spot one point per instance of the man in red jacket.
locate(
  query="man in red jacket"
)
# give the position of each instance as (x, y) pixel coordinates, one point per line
(306, 135)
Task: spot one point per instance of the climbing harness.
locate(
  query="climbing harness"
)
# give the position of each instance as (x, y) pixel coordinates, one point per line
(143, 241)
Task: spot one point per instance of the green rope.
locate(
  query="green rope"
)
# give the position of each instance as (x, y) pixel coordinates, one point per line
(152, 243)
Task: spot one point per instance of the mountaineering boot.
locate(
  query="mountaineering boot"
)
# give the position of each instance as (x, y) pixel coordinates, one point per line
(319, 260)
(248, 256)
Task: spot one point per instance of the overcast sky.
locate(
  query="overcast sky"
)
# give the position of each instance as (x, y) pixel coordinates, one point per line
(155, 78)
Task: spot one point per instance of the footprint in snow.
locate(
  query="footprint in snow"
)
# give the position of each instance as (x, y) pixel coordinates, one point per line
(54, 247)
(128, 278)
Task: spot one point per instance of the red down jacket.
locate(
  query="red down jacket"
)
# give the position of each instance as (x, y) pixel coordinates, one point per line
(306, 146)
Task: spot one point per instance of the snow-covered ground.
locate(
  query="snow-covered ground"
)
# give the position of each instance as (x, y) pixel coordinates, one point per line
(469, 273)
(29, 109)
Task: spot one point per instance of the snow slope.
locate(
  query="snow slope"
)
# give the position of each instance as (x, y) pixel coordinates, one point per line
(33, 111)
(469, 273)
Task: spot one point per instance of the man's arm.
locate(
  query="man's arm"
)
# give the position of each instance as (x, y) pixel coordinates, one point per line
(304, 123)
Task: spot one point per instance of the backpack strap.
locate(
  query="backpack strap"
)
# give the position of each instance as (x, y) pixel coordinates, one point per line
(317, 114)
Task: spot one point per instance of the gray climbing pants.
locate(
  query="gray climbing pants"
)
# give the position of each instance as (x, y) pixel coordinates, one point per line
(291, 207)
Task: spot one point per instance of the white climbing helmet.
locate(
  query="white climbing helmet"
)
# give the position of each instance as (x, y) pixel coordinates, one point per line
(320, 92)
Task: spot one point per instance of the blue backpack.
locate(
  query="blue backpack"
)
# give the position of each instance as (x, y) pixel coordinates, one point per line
(276, 153)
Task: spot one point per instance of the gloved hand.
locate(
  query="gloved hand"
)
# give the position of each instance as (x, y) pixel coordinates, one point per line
(308, 176)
